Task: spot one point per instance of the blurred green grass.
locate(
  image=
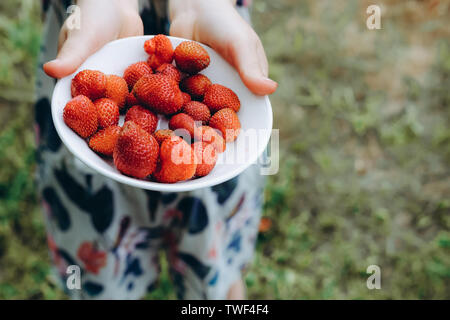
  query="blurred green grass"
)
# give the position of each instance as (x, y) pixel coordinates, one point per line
(364, 161)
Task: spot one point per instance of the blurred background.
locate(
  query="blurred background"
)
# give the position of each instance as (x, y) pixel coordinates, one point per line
(364, 162)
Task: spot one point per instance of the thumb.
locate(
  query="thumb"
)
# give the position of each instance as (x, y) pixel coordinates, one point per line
(250, 61)
(74, 51)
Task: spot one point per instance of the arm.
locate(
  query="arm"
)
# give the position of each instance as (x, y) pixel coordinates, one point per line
(213, 22)
(218, 24)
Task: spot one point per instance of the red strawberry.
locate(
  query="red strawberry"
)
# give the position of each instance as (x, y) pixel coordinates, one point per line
(209, 135)
(227, 121)
(198, 111)
(160, 93)
(169, 70)
(131, 100)
(186, 98)
(195, 85)
(162, 134)
(116, 89)
(107, 111)
(177, 161)
(206, 158)
(90, 83)
(135, 71)
(136, 152)
(183, 121)
(218, 97)
(144, 118)
(81, 116)
(191, 57)
(105, 140)
(160, 51)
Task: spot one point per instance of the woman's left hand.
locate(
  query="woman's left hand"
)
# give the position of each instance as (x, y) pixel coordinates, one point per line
(217, 24)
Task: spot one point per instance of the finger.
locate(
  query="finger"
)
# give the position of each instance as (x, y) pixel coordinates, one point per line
(75, 50)
(132, 26)
(263, 63)
(182, 27)
(135, 29)
(248, 57)
(62, 38)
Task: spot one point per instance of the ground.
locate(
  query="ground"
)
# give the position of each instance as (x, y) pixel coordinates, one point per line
(364, 153)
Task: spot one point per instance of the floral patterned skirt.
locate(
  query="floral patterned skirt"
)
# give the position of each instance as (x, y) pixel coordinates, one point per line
(114, 232)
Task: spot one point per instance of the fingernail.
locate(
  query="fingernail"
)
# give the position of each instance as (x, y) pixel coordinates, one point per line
(52, 61)
(268, 80)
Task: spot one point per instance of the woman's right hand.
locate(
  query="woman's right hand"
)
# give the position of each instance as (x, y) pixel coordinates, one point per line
(101, 21)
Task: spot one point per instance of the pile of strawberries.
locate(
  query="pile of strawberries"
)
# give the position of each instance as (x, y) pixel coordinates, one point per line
(198, 111)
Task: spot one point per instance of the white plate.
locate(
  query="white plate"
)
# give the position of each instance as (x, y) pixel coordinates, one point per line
(255, 116)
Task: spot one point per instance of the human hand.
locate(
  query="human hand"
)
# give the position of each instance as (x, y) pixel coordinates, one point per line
(101, 22)
(217, 24)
